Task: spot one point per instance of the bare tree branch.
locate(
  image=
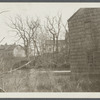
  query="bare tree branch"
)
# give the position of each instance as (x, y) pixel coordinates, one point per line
(4, 11)
(25, 30)
(2, 39)
(54, 27)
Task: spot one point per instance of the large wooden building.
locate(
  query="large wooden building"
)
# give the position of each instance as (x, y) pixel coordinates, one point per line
(84, 37)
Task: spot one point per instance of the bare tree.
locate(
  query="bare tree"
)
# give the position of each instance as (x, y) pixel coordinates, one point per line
(54, 27)
(43, 36)
(25, 30)
(67, 49)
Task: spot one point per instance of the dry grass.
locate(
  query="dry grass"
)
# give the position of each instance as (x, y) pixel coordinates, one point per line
(35, 81)
(31, 80)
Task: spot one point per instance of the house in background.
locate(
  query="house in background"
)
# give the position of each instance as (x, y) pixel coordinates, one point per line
(18, 51)
(49, 46)
(7, 50)
(84, 37)
(12, 51)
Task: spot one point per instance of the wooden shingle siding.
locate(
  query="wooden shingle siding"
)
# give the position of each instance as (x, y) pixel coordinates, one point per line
(84, 37)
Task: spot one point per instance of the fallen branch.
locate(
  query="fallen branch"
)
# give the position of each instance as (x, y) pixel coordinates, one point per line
(16, 68)
(2, 90)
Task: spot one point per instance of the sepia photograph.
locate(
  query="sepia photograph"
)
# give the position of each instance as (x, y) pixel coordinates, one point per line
(49, 47)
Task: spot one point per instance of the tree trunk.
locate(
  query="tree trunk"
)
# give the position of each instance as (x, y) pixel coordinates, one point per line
(57, 44)
(53, 45)
(27, 52)
(56, 49)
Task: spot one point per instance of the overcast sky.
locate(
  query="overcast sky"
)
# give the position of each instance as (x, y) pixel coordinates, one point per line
(36, 9)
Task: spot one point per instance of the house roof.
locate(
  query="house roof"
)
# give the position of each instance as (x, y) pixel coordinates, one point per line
(50, 42)
(76, 13)
(83, 11)
(7, 47)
